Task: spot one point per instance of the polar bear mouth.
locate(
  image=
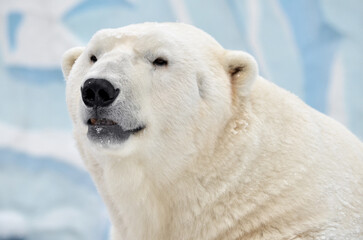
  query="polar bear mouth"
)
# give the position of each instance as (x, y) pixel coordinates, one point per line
(107, 131)
(100, 122)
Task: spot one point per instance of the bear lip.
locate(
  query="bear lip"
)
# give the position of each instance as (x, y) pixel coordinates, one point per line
(104, 122)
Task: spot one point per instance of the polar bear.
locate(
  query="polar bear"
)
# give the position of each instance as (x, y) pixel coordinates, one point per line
(184, 140)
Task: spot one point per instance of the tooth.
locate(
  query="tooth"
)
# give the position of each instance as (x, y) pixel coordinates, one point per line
(93, 121)
(101, 121)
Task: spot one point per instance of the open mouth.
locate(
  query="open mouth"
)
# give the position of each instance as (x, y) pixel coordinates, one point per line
(100, 122)
(107, 131)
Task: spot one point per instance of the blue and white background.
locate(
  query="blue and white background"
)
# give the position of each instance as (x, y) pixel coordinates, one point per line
(314, 48)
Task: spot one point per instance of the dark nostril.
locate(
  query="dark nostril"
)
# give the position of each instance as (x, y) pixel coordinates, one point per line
(104, 95)
(90, 94)
(98, 93)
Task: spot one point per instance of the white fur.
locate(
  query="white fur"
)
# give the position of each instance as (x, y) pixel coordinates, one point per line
(225, 154)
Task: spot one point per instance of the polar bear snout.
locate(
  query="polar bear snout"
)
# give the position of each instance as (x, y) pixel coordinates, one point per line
(98, 93)
(108, 121)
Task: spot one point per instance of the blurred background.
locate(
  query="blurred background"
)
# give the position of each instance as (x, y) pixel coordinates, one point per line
(313, 48)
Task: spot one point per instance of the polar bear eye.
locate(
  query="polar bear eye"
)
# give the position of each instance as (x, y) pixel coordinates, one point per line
(93, 58)
(160, 62)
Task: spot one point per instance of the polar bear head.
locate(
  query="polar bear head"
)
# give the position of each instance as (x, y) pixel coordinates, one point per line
(154, 91)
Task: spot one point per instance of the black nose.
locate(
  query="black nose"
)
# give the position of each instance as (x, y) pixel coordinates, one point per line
(98, 93)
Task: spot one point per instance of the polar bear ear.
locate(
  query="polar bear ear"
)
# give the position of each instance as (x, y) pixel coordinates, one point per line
(69, 58)
(242, 69)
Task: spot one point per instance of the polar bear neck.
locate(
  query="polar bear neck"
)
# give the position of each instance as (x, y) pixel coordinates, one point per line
(137, 205)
